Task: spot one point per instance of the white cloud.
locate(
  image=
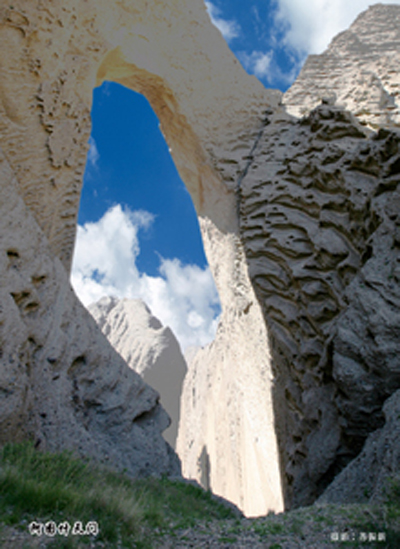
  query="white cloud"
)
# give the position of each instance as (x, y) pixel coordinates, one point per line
(258, 63)
(183, 297)
(228, 29)
(264, 66)
(93, 154)
(310, 26)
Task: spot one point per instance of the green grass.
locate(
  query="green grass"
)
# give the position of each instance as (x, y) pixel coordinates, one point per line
(268, 528)
(136, 513)
(227, 539)
(41, 486)
(385, 517)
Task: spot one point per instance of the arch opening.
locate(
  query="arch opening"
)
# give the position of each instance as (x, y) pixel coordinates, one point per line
(138, 238)
(201, 124)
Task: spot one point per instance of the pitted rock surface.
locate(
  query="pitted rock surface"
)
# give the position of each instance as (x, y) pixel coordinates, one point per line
(52, 56)
(62, 385)
(300, 226)
(319, 220)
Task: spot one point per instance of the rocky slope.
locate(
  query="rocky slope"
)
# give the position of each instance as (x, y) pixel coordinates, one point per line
(148, 348)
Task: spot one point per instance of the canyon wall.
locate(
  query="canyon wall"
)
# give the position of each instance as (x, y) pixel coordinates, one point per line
(320, 224)
(52, 55)
(226, 437)
(319, 221)
(300, 225)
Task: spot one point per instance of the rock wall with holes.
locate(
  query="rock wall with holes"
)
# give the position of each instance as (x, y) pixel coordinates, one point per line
(320, 222)
(52, 55)
(55, 53)
(319, 219)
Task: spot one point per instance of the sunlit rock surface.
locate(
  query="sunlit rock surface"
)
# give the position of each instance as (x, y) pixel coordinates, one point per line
(359, 71)
(226, 437)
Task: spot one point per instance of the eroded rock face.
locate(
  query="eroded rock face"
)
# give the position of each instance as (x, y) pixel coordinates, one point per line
(148, 348)
(62, 385)
(318, 207)
(319, 220)
(52, 55)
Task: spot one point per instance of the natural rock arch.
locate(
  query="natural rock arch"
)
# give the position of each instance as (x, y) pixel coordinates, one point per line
(210, 112)
(174, 56)
(215, 119)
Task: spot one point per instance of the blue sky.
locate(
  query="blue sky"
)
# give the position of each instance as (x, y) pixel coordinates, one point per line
(138, 234)
(129, 163)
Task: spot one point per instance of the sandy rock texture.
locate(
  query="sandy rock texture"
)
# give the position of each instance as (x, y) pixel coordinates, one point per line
(226, 438)
(358, 71)
(318, 212)
(148, 347)
(319, 221)
(62, 385)
(56, 53)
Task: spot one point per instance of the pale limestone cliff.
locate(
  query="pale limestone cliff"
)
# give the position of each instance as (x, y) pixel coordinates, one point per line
(148, 348)
(299, 222)
(56, 53)
(318, 219)
(226, 437)
(359, 71)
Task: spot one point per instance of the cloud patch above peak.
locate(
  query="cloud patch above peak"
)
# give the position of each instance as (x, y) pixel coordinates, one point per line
(183, 297)
(310, 26)
(229, 29)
